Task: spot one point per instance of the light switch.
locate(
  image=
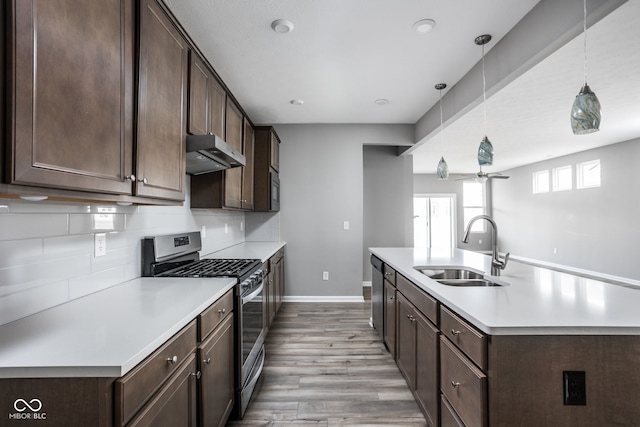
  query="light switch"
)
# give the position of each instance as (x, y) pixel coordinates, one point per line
(346, 225)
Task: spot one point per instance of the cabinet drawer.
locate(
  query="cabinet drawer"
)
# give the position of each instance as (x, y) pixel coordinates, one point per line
(449, 417)
(389, 274)
(420, 299)
(463, 384)
(466, 337)
(135, 388)
(212, 316)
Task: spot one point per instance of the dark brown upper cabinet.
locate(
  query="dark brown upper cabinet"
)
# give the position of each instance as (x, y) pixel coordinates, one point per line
(266, 167)
(70, 87)
(247, 170)
(162, 106)
(207, 100)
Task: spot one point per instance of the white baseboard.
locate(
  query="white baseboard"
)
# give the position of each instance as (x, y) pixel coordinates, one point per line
(366, 284)
(323, 299)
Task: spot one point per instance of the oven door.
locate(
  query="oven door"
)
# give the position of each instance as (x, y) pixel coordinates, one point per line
(252, 330)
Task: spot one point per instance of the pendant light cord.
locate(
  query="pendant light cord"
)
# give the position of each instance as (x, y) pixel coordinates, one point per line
(484, 93)
(584, 22)
(441, 127)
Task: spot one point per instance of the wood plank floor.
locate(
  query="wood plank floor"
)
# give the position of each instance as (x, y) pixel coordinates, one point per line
(326, 366)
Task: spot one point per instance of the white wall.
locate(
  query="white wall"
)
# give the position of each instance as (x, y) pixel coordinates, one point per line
(47, 248)
(594, 229)
(321, 187)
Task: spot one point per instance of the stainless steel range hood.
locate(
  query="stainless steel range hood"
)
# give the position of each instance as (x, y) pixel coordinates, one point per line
(210, 153)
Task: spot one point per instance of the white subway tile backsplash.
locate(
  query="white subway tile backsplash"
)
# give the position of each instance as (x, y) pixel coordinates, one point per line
(97, 281)
(28, 226)
(47, 248)
(32, 300)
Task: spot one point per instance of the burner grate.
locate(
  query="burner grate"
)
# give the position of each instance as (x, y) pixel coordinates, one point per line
(215, 268)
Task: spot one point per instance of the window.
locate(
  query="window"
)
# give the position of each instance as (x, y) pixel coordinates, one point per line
(588, 174)
(473, 204)
(541, 182)
(562, 178)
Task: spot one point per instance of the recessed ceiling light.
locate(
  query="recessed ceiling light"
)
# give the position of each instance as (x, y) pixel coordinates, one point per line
(423, 26)
(282, 26)
(381, 101)
(296, 102)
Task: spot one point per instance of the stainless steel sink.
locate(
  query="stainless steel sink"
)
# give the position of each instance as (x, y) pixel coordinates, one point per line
(437, 273)
(468, 282)
(457, 276)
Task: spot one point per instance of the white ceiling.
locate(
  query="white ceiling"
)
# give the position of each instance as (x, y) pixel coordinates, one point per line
(342, 55)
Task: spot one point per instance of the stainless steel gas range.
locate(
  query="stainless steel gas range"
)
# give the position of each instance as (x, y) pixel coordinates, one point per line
(177, 255)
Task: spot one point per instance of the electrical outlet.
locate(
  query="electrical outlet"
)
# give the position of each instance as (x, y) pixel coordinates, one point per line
(226, 228)
(100, 247)
(575, 388)
(345, 225)
(325, 275)
(203, 231)
(555, 250)
(479, 241)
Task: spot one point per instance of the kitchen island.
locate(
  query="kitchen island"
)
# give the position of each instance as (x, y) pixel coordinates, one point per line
(545, 349)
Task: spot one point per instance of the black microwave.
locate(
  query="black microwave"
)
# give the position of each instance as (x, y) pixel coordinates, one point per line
(274, 192)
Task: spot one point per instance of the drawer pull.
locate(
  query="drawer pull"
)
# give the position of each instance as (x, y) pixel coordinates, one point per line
(392, 298)
(387, 274)
(454, 332)
(207, 361)
(197, 375)
(223, 311)
(173, 359)
(410, 317)
(455, 384)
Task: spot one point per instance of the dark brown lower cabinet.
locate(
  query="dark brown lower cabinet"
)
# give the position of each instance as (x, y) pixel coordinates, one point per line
(390, 317)
(417, 356)
(175, 404)
(427, 381)
(216, 356)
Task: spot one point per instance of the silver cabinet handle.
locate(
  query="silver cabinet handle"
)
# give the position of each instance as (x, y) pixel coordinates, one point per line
(143, 180)
(455, 384)
(173, 359)
(454, 332)
(392, 298)
(131, 177)
(207, 361)
(387, 274)
(410, 317)
(197, 375)
(223, 311)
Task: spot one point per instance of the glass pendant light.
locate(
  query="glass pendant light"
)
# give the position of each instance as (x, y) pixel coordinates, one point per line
(485, 150)
(443, 168)
(585, 113)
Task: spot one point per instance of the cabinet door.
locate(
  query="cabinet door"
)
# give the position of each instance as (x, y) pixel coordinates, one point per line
(70, 73)
(233, 177)
(217, 383)
(280, 284)
(275, 152)
(162, 83)
(217, 107)
(175, 404)
(406, 344)
(272, 294)
(247, 170)
(427, 369)
(390, 317)
(199, 82)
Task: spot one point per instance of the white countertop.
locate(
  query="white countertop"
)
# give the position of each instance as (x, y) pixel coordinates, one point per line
(537, 301)
(107, 333)
(249, 250)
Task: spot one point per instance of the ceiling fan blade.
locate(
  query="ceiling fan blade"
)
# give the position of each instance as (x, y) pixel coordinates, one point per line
(499, 176)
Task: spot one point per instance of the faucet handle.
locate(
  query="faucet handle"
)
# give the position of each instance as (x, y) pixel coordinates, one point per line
(506, 260)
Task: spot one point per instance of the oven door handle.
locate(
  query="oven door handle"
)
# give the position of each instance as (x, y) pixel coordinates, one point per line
(249, 297)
